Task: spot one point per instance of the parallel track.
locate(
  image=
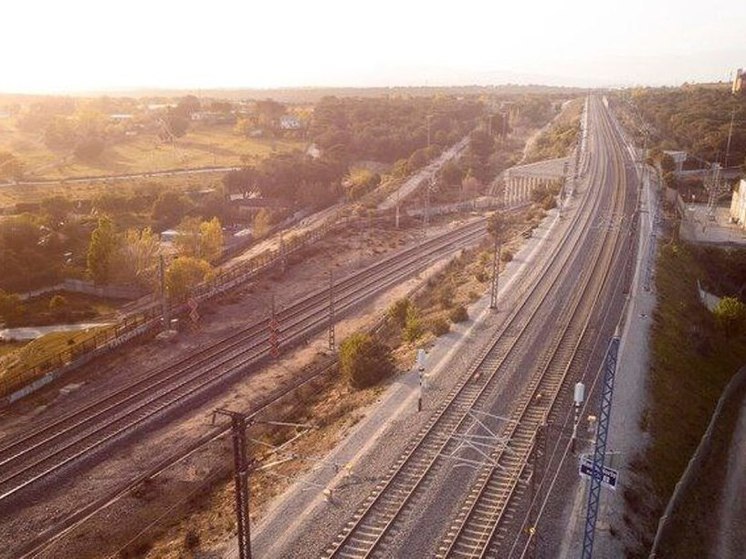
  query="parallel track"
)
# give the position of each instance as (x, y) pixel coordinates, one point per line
(45, 450)
(475, 531)
(365, 534)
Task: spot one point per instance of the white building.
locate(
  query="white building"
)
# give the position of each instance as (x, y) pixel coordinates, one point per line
(738, 204)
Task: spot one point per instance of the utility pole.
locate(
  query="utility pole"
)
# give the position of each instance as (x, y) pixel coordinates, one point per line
(332, 343)
(397, 207)
(730, 136)
(602, 432)
(427, 202)
(578, 398)
(274, 331)
(421, 356)
(495, 271)
(164, 302)
(537, 476)
(239, 423)
(283, 254)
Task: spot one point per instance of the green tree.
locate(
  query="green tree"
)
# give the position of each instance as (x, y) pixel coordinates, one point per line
(137, 261)
(412, 325)
(170, 207)
(261, 224)
(398, 311)
(200, 239)
(364, 361)
(730, 314)
(11, 308)
(102, 251)
(451, 174)
(185, 273)
(188, 240)
(211, 239)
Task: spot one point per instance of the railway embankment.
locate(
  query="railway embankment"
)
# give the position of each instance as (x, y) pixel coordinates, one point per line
(692, 360)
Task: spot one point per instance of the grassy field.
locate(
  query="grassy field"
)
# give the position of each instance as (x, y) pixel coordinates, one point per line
(202, 146)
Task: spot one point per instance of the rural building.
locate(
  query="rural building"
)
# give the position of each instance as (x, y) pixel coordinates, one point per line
(289, 122)
(738, 204)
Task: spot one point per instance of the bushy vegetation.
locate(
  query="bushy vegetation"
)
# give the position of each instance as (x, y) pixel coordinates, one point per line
(364, 361)
(695, 119)
(459, 314)
(389, 129)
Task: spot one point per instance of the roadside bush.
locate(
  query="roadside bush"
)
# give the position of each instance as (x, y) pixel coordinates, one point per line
(191, 539)
(730, 314)
(506, 255)
(398, 311)
(440, 326)
(459, 314)
(445, 296)
(364, 361)
(413, 325)
(59, 307)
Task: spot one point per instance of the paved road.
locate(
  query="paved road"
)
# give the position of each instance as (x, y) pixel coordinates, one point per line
(126, 176)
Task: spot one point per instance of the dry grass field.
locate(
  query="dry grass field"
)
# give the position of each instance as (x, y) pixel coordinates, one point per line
(202, 146)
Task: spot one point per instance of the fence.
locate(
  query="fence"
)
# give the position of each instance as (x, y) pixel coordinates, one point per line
(695, 464)
(23, 381)
(80, 286)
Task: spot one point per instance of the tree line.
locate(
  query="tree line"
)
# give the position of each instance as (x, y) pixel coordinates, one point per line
(696, 119)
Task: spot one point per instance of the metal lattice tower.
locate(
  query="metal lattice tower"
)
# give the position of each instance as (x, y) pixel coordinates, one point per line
(594, 494)
(715, 189)
(274, 331)
(495, 271)
(242, 467)
(332, 342)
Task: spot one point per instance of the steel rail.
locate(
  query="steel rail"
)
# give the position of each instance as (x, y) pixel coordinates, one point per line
(347, 545)
(495, 486)
(161, 401)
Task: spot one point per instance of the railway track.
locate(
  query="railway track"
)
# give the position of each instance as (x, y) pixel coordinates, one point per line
(476, 532)
(43, 451)
(366, 534)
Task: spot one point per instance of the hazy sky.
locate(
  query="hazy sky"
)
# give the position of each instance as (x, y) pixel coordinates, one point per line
(78, 45)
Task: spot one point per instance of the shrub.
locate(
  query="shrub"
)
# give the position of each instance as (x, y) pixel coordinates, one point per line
(398, 311)
(364, 361)
(730, 314)
(459, 314)
(191, 539)
(440, 326)
(58, 306)
(506, 255)
(445, 296)
(413, 325)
